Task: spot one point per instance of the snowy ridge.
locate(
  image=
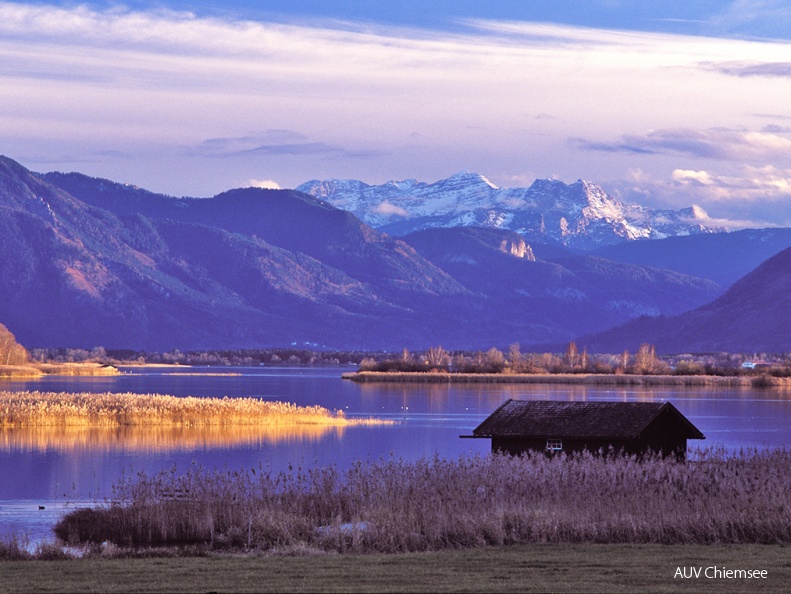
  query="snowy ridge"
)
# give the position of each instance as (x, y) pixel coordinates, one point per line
(579, 215)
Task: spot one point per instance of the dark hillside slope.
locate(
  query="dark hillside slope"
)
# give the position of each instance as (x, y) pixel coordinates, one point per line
(79, 275)
(551, 298)
(287, 219)
(754, 315)
(74, 275)
(721, 257)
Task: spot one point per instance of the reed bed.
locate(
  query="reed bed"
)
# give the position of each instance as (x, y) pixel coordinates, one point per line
(57, 409)
(396, 506)
(26, 371)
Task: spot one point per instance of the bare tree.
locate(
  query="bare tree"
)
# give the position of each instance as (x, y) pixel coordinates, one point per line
(624, 363)
(437, 357)
(571, 355)
(645, 359)
(494, 361)
(11, 352)
(515, 357)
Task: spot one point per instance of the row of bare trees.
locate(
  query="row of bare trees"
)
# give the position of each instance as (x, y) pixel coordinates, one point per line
(644, 361)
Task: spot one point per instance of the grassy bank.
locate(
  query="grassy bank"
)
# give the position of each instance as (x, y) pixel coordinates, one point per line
(538, 568)
(568, 379)
(394, 506)
(57, 409)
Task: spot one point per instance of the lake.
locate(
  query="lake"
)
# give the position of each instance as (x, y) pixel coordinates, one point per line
(61, 469)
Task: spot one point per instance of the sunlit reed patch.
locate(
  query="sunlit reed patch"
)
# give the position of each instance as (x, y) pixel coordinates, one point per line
(58, 409)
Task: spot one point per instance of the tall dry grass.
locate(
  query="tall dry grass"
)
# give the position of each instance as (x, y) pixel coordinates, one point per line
(58, 409)
(393, 506)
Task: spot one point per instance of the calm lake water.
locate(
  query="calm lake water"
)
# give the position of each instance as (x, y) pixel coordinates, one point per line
(62, 469)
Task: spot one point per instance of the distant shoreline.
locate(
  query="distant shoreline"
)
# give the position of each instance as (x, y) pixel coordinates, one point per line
(597, 379)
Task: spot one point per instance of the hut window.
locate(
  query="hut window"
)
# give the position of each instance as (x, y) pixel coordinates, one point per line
(554, 445)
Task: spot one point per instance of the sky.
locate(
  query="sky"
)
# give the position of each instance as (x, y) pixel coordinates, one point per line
(663, 103)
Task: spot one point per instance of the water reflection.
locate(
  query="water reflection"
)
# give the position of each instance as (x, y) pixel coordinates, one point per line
(157, 439)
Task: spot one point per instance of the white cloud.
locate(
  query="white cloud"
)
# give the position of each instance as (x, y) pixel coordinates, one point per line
(754, 183)
(266, 184)
(388, 208)
(684, 176)
(746, 197)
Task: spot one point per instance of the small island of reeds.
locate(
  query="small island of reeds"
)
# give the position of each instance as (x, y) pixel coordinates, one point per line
(57, 409)
(34, 370)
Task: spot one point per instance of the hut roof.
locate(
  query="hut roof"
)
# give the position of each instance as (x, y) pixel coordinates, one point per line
(550, 418)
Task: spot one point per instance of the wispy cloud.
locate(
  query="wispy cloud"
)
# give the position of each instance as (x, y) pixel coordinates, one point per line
(735, 145)
(771, 69)
(210, 102)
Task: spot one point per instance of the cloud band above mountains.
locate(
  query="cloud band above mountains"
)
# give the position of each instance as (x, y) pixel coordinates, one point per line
(174, 101)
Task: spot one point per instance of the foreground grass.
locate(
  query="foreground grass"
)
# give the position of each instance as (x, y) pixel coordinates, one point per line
(59, 409)
(537, 568)
(394, 506)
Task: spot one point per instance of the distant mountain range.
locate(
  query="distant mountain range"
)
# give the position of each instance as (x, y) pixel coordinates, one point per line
(90, 262)
(580, 215)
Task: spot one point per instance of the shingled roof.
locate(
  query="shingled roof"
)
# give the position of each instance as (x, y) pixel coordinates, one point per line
(550, 418)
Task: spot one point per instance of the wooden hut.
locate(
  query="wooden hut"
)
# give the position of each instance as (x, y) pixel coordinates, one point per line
(518, 426)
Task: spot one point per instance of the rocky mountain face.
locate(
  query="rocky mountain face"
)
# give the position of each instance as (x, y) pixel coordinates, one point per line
(754, 315)
(580, 215)
(89, 262)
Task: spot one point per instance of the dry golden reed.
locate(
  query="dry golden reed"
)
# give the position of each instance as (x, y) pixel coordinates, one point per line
(57, 409)
(397, 506)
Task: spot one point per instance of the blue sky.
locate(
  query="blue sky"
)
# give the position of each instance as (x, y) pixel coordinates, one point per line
(663, 103)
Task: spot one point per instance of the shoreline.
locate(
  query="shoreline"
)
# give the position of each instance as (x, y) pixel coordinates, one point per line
(567, 379)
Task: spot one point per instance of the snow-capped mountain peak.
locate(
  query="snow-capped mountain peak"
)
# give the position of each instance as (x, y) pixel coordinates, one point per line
(580, 214)
(469, 178)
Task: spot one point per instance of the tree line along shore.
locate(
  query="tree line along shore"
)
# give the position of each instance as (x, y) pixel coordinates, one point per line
(645, 367)
(759, 369)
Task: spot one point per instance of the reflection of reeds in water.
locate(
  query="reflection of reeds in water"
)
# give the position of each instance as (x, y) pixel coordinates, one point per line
(154, 438)
(39, 421)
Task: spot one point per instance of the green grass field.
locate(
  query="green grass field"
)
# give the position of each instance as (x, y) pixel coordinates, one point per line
(524, 568)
